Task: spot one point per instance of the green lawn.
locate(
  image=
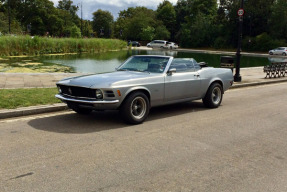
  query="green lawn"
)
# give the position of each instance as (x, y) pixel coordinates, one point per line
(15, 98)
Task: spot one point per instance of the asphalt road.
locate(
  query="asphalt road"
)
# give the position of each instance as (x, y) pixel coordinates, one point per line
(241, 146)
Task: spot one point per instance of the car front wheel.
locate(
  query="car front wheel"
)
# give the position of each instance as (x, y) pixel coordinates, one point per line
(213, 96)
(135, 108)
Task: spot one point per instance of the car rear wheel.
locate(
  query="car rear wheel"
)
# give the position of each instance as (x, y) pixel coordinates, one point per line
(284, 53)
(270, 53)
(135, 108)
(213, 96)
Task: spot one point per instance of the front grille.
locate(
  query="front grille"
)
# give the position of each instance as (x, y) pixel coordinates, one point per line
(78, 91)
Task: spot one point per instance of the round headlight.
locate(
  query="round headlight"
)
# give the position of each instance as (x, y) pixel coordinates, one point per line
(99, 94)
(59, 89)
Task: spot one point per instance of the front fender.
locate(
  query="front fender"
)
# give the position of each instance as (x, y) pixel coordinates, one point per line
(137, 88)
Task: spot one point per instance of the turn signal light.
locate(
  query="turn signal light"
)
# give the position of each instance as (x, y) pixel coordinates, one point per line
(119, 93)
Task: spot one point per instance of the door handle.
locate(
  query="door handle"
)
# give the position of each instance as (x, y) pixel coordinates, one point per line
(197, 75)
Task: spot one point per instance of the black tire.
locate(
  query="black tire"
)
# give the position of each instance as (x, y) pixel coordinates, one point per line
(284, 54)
(135, 109)
(213, 96)
(270, 53)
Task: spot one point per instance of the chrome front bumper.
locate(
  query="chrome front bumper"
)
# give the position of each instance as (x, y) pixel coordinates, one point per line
(96, 104)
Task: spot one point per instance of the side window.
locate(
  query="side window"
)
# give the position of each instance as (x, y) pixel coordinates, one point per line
(182, 66)
(196, 65)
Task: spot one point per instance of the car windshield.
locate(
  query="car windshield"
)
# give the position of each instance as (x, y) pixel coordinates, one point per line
(145, 64)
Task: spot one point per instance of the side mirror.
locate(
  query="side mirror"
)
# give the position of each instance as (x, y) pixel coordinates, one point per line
(171, 71)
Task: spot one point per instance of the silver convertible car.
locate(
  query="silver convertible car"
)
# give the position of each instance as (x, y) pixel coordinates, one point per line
(145, 81)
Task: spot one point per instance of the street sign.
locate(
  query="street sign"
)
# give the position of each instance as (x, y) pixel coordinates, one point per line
(240, 12)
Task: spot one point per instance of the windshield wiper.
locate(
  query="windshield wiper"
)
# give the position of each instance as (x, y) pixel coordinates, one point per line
(122, 70)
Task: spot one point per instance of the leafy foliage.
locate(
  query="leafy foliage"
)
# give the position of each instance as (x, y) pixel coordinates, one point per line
(102, 23)
(191, 23)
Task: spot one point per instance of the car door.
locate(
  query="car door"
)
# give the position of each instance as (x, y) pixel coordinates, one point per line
(183, 84)
(278, 51)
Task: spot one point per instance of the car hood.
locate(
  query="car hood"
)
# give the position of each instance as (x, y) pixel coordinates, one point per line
(113, 79)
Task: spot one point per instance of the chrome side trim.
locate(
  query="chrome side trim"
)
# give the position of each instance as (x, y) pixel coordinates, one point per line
(86, 101)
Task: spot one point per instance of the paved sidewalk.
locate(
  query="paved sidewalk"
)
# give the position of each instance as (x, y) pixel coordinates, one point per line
(250, 77)
(32, 80)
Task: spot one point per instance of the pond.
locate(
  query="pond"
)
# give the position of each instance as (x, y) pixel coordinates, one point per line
(107, 61)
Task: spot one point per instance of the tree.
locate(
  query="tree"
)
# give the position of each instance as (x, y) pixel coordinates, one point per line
(278, 20)
(196, 20)
(87, 28)
(161, 32)
(4, 25)
(139, 23)
(75, 32)
(102, 23)
(257, 14)
(202, 31)
(147, 33)
(68, 6)
(131, 22)
(166, 14)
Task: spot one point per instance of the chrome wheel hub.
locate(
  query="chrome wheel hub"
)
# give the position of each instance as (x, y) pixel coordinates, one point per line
(216, 95)
(138, 107)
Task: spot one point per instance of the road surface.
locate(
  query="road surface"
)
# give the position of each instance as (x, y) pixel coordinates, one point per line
(241, 146)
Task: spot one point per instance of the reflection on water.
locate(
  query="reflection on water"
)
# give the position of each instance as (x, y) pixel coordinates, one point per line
(277, 60)
(108, 61)
(89, 65)
(102, 62)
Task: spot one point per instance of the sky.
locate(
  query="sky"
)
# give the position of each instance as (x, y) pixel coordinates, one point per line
(113, 6)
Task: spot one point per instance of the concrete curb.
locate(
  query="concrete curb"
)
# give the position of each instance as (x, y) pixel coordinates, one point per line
(241, 85)
(25, 111)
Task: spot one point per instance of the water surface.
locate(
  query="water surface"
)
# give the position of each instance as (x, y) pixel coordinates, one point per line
(108, 61)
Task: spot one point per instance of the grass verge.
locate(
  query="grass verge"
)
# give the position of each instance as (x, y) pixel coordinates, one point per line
(15, 98)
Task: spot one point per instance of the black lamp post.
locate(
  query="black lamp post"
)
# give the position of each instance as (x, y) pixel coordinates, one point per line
(237, 77)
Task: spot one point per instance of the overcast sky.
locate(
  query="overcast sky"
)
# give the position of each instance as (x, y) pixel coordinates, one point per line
(113, 6)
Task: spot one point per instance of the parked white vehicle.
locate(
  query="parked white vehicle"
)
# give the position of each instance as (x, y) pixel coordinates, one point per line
(278, 51)
(158, 44)
(172, 45)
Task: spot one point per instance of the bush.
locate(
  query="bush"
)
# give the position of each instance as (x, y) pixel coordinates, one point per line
(18, 45)
(262, 42)
(220, 42)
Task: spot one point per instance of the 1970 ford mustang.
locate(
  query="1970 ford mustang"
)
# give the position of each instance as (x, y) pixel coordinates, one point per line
(146, 81)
